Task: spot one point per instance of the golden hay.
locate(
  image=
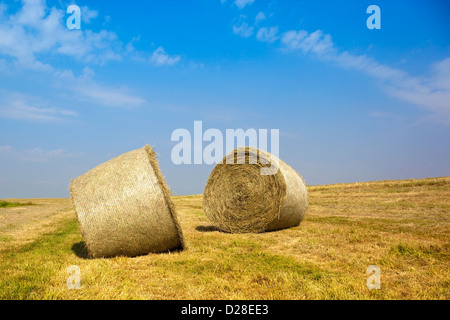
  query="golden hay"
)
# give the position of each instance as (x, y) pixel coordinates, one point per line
(124, 207)
(238, 199)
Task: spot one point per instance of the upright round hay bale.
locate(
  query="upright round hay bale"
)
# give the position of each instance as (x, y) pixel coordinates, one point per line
(254, 191)
(124, 207)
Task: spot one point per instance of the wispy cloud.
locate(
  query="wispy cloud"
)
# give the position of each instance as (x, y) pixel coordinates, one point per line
(315, 42)
(431, 92)
(36, 30)
(260, 17)
(109, 96)
(22, 107)
(267, 34)
(86, 87)
(4, 149)
(161, 58)
(38, 154)
(243, 3)
(87, 14)
(385, 115)
(242, 28)
(41, 155)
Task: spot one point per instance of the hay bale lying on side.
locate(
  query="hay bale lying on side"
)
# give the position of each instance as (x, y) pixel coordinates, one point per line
(238, 199)
(124, 207)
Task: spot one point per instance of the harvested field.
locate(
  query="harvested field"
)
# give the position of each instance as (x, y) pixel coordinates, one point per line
(401, 226)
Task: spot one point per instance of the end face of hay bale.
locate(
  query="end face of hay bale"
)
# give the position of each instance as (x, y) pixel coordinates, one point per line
(239, 199)
(124, 207)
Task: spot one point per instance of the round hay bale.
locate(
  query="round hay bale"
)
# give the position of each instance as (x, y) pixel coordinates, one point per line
(246, 193)
(124, 207)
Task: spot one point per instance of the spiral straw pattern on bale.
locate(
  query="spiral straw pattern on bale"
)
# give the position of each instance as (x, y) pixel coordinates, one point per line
(124, 207)
(239, 199)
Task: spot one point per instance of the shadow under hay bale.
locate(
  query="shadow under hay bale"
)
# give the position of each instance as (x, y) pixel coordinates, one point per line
(124, 207)
(207, 228)
(80, 250)
(238, 198)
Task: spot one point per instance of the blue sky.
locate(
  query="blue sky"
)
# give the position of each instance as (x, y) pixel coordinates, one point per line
(351, 104)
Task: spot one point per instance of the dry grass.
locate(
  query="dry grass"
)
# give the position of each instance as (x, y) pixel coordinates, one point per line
(401, 226)
(23, 224)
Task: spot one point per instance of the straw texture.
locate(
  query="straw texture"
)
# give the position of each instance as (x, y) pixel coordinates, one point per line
(124, 207)
(238, 199)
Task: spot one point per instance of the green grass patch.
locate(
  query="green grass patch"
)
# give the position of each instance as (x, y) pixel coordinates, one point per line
(26, 272)
(421, 251)
(6, 204)
(6, 238)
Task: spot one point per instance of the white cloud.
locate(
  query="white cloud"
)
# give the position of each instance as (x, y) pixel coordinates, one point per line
(315, 42)
(267, 34)
(380, 114)
(36, 30)
(3, 8)
(161, 58)
(260, 17)
(430, 92)
(92, 47)
(87, 14)
(441, 74)
(22, 107)
(243, 3)
(109, 96)
(38, 154)
(242, 28)
(4, 149)
(84, 86)
(158, 58)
